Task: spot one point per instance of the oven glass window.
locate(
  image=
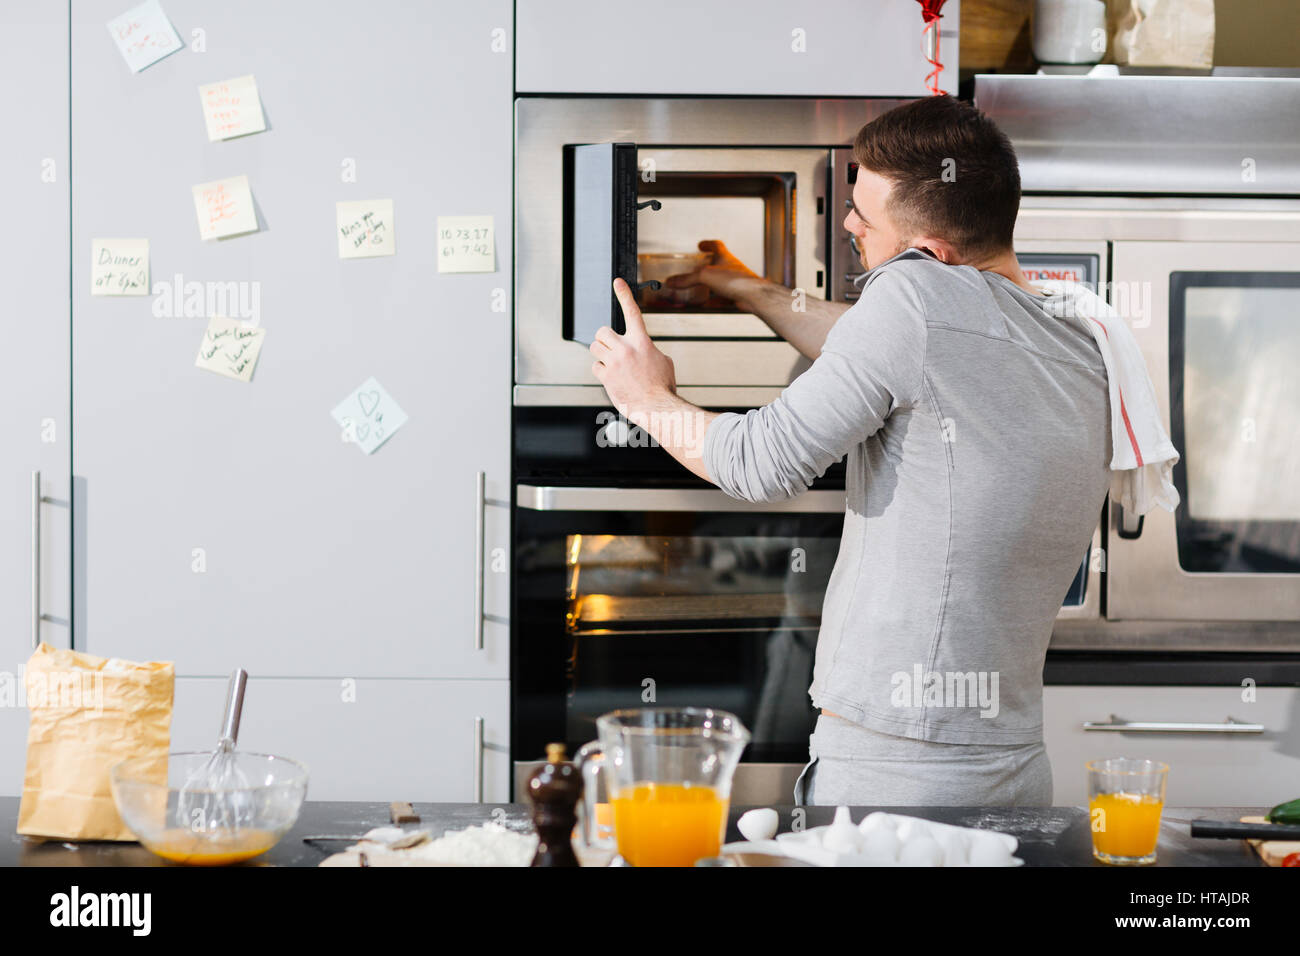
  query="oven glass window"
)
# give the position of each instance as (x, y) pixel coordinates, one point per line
(720, 621)
(1235, 403)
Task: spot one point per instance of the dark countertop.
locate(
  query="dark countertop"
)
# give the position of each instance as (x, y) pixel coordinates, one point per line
(1049, 836)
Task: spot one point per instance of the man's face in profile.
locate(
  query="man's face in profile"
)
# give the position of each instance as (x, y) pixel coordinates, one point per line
(878, 237)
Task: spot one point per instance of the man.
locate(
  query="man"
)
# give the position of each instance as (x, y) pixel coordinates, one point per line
(976, 425)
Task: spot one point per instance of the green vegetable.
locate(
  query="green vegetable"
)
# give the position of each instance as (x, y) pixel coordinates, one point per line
(1288, 812)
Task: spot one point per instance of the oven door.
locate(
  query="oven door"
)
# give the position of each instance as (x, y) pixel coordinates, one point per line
(628, 597)
(1220, 338)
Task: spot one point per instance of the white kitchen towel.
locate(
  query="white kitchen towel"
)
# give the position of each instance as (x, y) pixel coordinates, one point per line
(1143, 458)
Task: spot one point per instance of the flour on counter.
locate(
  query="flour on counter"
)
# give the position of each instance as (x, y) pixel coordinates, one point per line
(488, 844)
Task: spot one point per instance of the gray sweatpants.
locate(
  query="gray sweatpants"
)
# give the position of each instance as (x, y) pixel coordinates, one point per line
(852, 765)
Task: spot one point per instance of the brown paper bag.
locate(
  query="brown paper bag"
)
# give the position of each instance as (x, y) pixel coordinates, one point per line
(88, 713)
(1167, 33)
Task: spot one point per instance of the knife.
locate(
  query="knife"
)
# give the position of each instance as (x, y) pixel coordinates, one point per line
(1222, 830)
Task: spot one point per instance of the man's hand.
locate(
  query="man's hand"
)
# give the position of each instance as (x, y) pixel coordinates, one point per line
(725, 275)
(636, 375)
(640, 382)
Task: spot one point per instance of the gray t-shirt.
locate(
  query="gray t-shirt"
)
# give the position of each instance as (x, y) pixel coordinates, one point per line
(977, 431)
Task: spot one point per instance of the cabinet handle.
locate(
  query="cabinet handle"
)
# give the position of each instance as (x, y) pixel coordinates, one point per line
(478, 759)
(1230, 725)
(36, 559)
(478, 560)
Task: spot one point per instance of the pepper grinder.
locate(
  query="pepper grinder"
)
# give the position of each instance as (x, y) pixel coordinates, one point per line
(555, 789)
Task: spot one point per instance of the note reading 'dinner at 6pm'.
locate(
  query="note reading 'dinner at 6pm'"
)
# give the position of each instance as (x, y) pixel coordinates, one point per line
(119, 267)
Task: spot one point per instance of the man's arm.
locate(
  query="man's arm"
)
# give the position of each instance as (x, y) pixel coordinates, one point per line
(678, 427)
(640, 381)
(872, 363)
(773, 303)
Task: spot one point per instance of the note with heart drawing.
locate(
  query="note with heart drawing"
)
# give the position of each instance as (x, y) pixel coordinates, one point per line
(369, 416)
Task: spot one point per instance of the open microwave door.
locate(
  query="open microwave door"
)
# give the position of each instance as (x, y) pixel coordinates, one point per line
(600, 207)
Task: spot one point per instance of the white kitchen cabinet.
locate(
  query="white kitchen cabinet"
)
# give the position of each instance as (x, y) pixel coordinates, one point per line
(224, 524)
(1204, 769)
(736, 48)
(365, 740)
(34, 387)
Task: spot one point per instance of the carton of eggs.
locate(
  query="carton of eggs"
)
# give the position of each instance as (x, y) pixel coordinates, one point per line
(886, 839)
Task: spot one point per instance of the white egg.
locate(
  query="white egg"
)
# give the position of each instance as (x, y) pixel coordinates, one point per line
(877, 820)
(842, 836)
(921, 851)
(956, 849)
(989, 852)
(912, 827)
(758, 824)
(881, 843)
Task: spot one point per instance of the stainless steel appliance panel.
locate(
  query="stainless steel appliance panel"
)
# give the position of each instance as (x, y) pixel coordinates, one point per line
(1150, 134)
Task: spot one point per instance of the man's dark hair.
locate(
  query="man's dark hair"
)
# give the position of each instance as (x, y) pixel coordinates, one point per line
(974, 205)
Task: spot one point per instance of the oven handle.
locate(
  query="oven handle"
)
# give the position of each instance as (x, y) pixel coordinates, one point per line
(562, 498)
(1230, 725)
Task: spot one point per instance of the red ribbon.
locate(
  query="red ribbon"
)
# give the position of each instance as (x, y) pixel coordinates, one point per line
(931, 15)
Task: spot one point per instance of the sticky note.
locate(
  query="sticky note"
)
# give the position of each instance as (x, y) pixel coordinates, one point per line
(119, 267)
(369, 416)
(144, 35)
(465, 244)
(232, 108)
(366, 228)
(225, 208)
(230, 348)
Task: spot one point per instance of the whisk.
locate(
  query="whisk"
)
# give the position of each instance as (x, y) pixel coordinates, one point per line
(216, 796)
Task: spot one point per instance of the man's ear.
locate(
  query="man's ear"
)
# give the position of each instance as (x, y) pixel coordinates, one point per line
(940, 249)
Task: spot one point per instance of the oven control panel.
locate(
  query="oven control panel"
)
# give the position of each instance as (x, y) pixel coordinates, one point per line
(844, 260)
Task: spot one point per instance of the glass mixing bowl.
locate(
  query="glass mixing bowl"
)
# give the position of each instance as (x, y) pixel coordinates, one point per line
(148, 798)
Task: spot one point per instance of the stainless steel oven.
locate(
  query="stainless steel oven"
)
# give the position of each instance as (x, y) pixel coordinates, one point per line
(634, 582)
(1222, 343)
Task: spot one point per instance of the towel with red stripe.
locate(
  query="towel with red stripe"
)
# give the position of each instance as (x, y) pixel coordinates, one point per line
(1143, 460)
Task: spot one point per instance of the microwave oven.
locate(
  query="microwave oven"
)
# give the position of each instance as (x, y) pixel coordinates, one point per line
(605, 185)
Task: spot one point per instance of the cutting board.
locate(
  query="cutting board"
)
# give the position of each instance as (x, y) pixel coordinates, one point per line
(1272, 852)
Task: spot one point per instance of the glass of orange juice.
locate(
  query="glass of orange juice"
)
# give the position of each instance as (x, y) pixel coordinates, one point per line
(1125, 797)
(668, 774)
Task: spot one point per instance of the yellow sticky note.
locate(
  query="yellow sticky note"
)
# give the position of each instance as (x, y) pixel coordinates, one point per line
(119, 267)
(232, 108)
(224, 208)
(230, 348)
(466, 244)
(365, 228)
